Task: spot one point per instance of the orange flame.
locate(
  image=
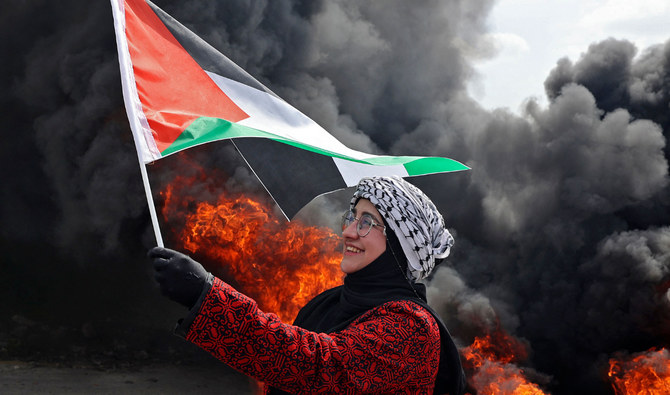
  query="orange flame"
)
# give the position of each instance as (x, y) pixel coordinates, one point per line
(280, 264)
(491, 359)
(645, 374)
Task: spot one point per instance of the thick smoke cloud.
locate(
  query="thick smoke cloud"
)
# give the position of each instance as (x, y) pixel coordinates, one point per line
(561, 225)
(561, 243)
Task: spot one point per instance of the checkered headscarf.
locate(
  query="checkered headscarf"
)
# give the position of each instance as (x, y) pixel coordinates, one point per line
(412, 216)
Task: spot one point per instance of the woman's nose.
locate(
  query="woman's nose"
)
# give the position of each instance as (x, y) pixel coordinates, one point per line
(350, 231)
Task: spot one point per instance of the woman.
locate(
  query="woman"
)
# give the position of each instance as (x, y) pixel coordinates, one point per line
(374, 334)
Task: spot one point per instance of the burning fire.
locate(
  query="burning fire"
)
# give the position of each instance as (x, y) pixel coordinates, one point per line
(280, 264)
(491, 360)
(646, 373)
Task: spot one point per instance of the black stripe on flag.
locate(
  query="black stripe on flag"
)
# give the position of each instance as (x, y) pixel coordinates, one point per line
(204, 54)
(294, 175)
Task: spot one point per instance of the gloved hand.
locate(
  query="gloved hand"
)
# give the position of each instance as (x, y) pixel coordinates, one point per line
(180, 277)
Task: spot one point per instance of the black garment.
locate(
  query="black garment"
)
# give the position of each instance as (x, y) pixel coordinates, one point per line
(383, 280)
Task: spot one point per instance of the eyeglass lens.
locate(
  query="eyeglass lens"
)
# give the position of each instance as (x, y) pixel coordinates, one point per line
(364, 223)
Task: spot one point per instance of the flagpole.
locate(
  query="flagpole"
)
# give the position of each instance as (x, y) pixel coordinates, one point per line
(260, 180)
(138, 123)
(151, 204)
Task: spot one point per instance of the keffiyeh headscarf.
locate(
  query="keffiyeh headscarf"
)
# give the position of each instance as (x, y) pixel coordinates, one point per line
(412, 216)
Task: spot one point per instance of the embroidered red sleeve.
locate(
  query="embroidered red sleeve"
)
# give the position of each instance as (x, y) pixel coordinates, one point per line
(392, 348)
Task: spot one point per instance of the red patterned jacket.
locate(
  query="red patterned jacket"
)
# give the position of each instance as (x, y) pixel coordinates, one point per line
(393, 348)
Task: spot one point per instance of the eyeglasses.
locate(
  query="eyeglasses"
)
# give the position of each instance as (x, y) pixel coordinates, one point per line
(365, 223)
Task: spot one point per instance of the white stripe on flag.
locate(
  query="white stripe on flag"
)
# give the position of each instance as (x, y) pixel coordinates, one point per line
(352, 172)
(273, 115)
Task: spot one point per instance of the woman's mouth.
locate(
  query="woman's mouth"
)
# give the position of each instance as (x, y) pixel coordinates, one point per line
(353, 249)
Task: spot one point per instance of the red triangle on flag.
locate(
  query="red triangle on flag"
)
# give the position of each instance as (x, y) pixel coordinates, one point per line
(173, 89)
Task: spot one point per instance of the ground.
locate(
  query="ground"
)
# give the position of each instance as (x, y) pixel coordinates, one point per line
(18, 377)
(103, 358)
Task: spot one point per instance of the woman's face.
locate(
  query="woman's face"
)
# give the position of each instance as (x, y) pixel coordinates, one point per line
(361, 251)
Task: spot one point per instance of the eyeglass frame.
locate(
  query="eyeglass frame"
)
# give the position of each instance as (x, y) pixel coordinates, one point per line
(373, 223)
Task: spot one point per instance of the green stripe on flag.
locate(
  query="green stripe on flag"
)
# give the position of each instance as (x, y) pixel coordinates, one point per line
(205, 130)
(433, 164)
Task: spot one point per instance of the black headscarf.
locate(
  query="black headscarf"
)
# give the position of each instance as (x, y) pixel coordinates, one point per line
(383, 280)
(379, 282)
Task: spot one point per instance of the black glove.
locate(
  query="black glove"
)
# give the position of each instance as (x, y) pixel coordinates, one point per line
(180, 277)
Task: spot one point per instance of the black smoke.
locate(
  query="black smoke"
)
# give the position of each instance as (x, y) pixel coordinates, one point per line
(561, 226)
(566, 228)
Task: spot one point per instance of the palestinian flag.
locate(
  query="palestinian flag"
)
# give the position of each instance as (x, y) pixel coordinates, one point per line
(180, 92)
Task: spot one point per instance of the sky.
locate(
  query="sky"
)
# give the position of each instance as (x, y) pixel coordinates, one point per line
(531, 35)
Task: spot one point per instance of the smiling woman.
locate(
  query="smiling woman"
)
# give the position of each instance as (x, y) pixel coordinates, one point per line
(361, 244)
(373, 334)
